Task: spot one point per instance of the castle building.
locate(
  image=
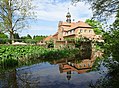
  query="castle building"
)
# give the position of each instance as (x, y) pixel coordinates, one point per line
(74, 30)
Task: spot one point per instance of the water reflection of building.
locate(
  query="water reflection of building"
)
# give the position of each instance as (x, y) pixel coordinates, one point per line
(80, 66)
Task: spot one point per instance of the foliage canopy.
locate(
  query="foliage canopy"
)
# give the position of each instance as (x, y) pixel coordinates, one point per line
(102, 8)
(14, 15)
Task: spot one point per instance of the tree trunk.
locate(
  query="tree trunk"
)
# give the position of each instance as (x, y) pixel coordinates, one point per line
(11, 37)
(10, 22)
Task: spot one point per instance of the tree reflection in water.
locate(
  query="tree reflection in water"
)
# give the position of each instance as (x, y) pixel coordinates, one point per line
(111, 62)
(8, 80)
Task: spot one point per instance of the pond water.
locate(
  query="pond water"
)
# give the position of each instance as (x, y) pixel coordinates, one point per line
(62, 73)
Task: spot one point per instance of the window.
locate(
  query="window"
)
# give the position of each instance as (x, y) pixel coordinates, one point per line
(69, 32)
(89, 31)
(84, 30)
(66, 33)
(81, 30)
(72, 31)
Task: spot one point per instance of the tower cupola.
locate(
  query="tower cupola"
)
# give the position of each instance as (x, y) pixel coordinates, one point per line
(68, 16)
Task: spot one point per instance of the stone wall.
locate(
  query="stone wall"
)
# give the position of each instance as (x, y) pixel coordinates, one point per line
(64, 44)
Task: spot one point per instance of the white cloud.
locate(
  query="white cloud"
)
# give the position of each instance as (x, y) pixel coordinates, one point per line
(51, 13)
(55, 12)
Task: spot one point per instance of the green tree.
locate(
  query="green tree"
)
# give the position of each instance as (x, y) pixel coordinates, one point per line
(16, 37)
(38, 38)
(111, 49)
(14, 15)
(27, 39)
(112, 36)
(102, 8)
(116, 22)
(50, 44)
(28, 36)
(97, 26)
(3, 38)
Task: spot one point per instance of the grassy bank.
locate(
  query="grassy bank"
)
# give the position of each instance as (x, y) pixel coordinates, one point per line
(11, 56)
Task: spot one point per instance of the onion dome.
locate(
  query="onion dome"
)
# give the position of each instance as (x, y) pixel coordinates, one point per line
(68, 15)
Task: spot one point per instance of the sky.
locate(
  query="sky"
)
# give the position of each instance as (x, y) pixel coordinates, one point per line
(49, 13)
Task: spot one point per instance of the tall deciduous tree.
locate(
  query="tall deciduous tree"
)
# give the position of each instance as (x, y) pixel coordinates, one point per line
(97, 26)
(102, 8)
(116, 22)
(14, 15)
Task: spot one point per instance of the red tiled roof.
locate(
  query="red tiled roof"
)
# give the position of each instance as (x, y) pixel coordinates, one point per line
(51, 37)
(55, 34)
(69, 26)
(48, 38)
(80, 24)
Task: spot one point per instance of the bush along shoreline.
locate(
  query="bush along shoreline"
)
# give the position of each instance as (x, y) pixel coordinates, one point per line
(11, 56)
